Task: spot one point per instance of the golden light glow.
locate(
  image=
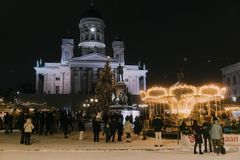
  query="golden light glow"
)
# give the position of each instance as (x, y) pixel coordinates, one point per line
(182, 98)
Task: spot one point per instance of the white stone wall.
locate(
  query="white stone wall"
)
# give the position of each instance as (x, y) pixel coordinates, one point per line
(231, 78)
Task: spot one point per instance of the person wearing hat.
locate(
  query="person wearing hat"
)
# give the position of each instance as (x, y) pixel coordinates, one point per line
(216, 135)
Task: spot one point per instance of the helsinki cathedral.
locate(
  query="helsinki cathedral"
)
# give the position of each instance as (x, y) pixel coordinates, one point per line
(79, 74)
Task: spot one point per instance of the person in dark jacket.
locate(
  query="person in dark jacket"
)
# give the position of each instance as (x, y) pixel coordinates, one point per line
(107, 130)
(81, 128)
(6, 120)
(120, 127)
(206, 135)
(96, 129)
(113, 128)
(66, 121)
(197, 132)
(157, 125)
(137, 126)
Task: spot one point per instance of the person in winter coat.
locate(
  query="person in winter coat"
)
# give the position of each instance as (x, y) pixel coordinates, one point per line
(81, 128)
(120, 127)
(137, 126)
(107, 131)
(216, 135)
(145, 128)
(206, 135)
(96, 129)
(197, 132)
(157, 125)
(28, 127)
(20, 123)
(65, 124)
(113, 128)
(128, 129)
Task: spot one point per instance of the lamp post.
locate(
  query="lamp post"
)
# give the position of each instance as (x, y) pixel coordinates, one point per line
(85, 109)
(93, 102)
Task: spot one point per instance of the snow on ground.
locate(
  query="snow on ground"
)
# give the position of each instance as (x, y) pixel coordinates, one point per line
(115, 155)
(56, 147)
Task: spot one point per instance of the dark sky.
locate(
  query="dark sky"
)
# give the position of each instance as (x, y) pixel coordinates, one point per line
(197, 36)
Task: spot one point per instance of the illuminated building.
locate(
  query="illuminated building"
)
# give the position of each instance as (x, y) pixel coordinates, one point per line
(78, 75)
(231, 78)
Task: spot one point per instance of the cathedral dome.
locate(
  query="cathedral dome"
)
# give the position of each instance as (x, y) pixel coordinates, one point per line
(91, 13)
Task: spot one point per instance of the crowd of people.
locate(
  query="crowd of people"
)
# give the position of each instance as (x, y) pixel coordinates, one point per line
(55, 121)
(111, 125)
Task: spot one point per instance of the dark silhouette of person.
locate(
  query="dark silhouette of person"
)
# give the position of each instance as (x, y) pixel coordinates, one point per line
(120, 127)
(206, 136)
(66, 121)
(197, 132)
(96, 129)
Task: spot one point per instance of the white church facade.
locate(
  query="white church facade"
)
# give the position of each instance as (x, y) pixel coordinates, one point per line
(231, 79)
(76, 75)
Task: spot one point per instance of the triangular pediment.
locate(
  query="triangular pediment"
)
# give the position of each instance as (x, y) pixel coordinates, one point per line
(93, 57)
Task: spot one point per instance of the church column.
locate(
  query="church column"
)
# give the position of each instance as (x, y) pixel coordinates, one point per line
(37, 83)
(144, 83)
(89, 79)
(45, 83)
(84, 79)
(138, 86)
(54, 83)
(79, 80)
(72, 80)
(63, 77)
(95, 72)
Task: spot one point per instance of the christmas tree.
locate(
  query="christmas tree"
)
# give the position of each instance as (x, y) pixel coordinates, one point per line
(105, 88)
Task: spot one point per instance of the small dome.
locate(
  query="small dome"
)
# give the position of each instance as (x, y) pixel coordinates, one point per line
(91, 13)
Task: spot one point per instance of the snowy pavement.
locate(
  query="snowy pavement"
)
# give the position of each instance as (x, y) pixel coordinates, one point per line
(116, 155)
(57, 142)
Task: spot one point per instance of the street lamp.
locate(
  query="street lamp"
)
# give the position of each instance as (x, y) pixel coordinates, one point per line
(93, 101)
(85, 105)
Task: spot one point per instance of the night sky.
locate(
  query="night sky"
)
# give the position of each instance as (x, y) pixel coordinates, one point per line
(197, 37)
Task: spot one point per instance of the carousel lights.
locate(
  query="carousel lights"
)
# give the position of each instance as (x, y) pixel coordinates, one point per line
(181, 102)
(187, 87)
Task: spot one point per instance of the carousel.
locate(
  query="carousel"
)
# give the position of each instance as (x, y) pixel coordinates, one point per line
(184, 101)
